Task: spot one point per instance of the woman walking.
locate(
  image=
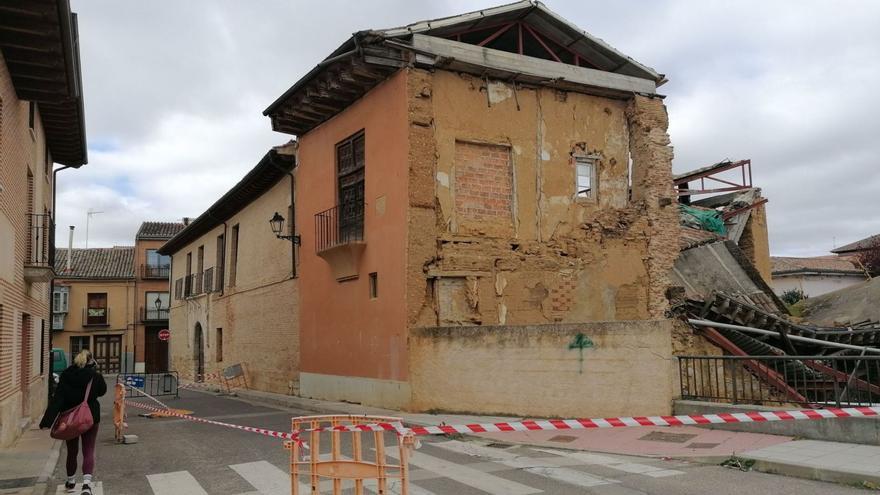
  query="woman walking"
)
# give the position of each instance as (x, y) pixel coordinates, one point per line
(82, 375)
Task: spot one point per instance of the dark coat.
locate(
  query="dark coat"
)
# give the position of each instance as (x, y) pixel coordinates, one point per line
(71, 390)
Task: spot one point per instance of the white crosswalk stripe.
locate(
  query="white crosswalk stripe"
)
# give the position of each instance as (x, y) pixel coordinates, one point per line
(612, 463)
(176, 483)
(266, 478)
(493, 485)
(97, 489)
(542, 467)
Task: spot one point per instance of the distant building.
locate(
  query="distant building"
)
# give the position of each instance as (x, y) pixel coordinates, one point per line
(41, 123)
(92, 305)
(152, 274)
(815, 276)
(854, 248)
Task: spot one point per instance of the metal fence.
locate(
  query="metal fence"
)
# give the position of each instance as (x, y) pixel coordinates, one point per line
(39, 247)
(154, 384)
(839, 381)
(341, 224)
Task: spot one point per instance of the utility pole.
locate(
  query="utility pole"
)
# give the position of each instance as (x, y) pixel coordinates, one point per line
(89, 214)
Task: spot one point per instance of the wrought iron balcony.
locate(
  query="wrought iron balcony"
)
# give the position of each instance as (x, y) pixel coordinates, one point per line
(342, 224)
(153, 314)
(39, 254)
(160, 272)
(96, 317)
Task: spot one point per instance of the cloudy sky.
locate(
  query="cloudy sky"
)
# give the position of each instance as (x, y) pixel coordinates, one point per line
(174, 94)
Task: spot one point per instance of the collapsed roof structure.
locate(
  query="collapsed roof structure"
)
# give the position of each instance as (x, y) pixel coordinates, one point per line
(726, 299)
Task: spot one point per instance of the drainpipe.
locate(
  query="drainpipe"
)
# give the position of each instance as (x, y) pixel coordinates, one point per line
(67, 268)
(52, 282)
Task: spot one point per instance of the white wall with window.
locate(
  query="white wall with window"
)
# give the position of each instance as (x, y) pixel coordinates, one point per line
(60, 306)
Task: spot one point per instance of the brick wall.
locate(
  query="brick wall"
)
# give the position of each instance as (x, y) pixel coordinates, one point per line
(22, 152)
(483, 189)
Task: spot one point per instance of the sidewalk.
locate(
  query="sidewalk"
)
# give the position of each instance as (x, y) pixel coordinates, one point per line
(28, 464)
(824, 461)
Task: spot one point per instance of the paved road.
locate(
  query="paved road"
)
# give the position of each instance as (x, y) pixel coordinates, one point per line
(179, 457)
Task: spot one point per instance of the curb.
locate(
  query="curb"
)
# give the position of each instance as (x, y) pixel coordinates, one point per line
(812, 473)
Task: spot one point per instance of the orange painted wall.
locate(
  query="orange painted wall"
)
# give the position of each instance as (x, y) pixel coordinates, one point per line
(343, 331)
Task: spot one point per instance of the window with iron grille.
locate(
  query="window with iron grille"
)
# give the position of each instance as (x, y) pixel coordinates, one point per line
(350, 166)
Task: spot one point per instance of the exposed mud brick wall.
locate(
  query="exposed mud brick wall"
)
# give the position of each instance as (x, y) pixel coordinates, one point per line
(652, 169)
(563, 258)
(755, 243)
(597, 369)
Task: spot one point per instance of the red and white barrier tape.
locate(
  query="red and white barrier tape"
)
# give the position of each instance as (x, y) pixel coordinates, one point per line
(560, 424)
(284, 435)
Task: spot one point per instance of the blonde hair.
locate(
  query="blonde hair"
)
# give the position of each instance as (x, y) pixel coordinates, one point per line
(83, 358)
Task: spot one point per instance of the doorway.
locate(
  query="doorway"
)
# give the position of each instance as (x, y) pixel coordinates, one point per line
(155, 351)
(199, 353)
(108, 353)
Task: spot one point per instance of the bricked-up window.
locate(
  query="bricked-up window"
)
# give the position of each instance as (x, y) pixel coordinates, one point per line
(483, 181)
(585, 169)
(233, 256)
(96, 313)
(350, 165)
(374, 285)
(218, 344)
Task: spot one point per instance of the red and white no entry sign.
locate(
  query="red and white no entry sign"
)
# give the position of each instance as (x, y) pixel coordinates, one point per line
(164, 334)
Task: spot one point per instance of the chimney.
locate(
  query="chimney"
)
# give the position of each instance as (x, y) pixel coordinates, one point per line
(69, 251)
(186, 220)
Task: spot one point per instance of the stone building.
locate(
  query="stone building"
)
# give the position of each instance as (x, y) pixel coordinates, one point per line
(41, 123)
(234, 286)
(93, 305)
(487, 222)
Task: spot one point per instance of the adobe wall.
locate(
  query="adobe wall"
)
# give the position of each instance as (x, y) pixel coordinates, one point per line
(563, 370)
(755, 242)
(258, 315)
(489, 248)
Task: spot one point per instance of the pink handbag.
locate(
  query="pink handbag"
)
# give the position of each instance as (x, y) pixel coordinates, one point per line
(75, 421)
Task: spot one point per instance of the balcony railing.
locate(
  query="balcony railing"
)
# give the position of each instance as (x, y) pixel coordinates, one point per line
(195, 284)
(39, 252)
(96, 317)
(811, 381)
(342, 224)
(153, 314)
(155, 271)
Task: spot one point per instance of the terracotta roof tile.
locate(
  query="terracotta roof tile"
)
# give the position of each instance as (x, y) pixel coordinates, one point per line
(689, 238)
(159, 230)
(820, 264)
(96, 263)
(859, 245)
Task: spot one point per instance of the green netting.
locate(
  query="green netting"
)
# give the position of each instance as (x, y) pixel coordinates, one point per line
(704, 219)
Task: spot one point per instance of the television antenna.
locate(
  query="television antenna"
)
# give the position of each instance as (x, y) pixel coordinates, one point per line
(89, 215)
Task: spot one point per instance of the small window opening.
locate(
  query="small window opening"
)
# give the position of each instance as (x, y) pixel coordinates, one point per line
(374, 285)
(585, 169)
(32, 114)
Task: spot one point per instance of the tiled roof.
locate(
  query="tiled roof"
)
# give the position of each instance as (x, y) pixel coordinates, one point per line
(96, 263)
(159, 230)
(865, 243)
(689, 238)
(818, 264)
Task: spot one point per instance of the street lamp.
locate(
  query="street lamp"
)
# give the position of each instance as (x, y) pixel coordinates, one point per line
(277, 224)
(158, 305)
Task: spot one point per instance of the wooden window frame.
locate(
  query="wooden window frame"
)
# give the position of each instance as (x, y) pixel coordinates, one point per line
(233, 255)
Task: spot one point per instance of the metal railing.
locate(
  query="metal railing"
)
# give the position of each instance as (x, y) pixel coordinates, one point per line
(839, 381)
(339, 225)
(39, 245)
(155, 271)
(96, 317)
(153, 314)
(154, 384)
(197, 284)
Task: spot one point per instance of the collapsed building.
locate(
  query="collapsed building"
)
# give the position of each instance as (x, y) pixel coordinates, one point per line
(727, 308)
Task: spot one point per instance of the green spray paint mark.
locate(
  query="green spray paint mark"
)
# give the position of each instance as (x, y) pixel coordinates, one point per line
(580, 343)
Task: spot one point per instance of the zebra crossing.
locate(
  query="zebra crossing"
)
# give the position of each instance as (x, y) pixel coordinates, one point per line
(446, 463)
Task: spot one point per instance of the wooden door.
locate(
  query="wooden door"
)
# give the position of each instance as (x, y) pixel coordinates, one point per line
(199, 353)
(108, 353)
(155, 352)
